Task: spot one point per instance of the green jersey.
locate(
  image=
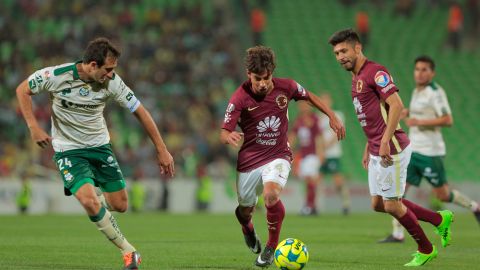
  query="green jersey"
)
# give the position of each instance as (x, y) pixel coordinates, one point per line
(77, 106)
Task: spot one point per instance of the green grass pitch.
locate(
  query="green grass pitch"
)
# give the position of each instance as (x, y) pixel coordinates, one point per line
(204, 241)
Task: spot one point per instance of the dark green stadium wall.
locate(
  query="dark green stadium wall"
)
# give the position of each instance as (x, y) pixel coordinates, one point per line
(298, 32)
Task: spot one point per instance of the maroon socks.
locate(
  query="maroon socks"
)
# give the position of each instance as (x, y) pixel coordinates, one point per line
(423, 214)
(247, 226)
(275, 215)
(410, 223)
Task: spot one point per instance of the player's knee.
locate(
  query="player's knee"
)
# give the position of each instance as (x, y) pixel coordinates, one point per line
(246, 212)
(119, 206)
(271, 198)
(90, 203)
(443, 197)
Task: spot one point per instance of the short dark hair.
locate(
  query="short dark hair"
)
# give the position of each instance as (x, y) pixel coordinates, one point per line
(348, 35)
(260, 59)
(98, 50)
(426, 59)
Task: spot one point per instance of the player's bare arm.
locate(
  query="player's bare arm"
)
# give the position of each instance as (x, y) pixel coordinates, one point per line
(366, 157)
(335, 123)
(442, 121)
(164, 157)
(230, 137)
(396, 106)
(39, 136)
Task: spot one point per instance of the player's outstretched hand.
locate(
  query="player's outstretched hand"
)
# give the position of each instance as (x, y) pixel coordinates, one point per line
(40, 137)
(165, 161)
(234, 138)
(338, 127)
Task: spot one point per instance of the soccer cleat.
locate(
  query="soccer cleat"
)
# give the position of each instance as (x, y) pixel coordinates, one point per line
(444, 228)
(477, 215)
(132, 260)
(391, 239)
(252, 241)
(346, 211)
(308, 211)
(266, 258)
(420, 259)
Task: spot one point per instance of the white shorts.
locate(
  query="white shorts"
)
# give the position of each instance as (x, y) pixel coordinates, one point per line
(389, 182)
(309, 166)
(250, 184)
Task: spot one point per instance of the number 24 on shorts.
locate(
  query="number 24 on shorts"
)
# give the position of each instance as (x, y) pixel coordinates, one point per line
(64, 162)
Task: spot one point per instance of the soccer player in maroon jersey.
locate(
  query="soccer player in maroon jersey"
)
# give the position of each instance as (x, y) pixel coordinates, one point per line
(306, 134)
(259, 106)
(387, 152)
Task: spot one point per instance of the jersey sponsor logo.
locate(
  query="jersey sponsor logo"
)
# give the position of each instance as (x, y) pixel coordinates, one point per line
(264, 137)
(84, 92)
(359, 86)
(301, 90)
(272, 122)
(358, 106)
(282, 101)
(69, 104)
(252, 108)
(382, 78)
(388, 88)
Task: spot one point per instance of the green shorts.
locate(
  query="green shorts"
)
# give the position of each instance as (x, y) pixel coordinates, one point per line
(97, 166)
(430, 168)
(330, 166)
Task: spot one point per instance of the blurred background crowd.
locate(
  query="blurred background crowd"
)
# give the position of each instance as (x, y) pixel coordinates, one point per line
(183, 59)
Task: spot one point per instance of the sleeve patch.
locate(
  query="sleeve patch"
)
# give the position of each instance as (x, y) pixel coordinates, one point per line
(382, 78)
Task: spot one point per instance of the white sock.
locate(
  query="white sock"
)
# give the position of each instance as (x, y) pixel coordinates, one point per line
(107, 224)
(397, 229)
(102, 199)
(464, 201)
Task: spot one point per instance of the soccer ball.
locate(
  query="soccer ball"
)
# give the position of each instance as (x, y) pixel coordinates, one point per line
(291, 254)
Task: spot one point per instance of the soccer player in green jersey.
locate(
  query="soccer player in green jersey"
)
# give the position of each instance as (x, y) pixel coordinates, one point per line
(83, 154)
(429, 112)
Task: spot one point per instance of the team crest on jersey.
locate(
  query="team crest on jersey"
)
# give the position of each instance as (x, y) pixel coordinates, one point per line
(382, 78)
(84, 92)
(282, 101)
(359, 86)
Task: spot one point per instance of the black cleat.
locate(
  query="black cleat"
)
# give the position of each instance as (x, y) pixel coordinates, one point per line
(391, 239)
(253, 243)
(346, 211)
(266, 258)
(477, 215)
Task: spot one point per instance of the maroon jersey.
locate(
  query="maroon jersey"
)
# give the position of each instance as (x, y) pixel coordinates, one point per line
(370, 88)
(307, 129)
(264, 122)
